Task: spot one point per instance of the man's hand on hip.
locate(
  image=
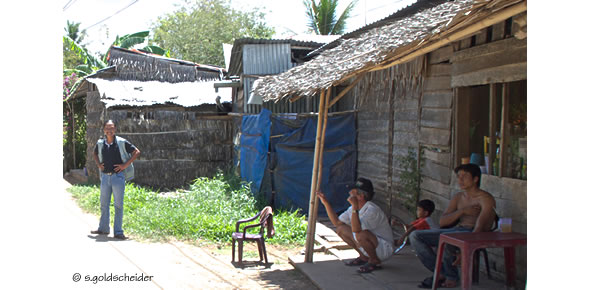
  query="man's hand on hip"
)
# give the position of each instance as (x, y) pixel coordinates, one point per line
(119, 167)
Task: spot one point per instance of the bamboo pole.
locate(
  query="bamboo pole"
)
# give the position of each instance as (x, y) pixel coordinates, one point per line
(310, 238)
(295, 98)
(312, 221)
(323, 138)
(341, 94)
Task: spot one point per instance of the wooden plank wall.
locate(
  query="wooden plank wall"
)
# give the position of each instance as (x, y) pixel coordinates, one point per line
(177, 146)
(502, 58)
(409, 84)
(489, 56)
(435, 129)
(373, 103)
(411, 106)
(388, 112)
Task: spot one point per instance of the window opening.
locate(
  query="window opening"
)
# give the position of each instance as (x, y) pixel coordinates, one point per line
(491, 128)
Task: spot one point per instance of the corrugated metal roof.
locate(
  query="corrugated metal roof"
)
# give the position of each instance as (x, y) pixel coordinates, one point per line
(313, 38)
(147, 93)
(235, 66)
(264, 59)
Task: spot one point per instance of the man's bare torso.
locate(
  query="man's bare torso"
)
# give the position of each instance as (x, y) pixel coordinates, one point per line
(480, 199)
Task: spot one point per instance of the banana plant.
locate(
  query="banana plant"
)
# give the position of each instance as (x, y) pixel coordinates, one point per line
(128, 41)
(92, 64)
(90, 60)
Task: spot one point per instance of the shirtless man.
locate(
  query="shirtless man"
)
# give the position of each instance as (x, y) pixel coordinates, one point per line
(471, 210)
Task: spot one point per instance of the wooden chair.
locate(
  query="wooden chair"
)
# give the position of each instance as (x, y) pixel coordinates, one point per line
(265, 221)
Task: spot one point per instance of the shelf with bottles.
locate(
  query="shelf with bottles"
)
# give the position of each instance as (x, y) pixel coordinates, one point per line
(516, 159)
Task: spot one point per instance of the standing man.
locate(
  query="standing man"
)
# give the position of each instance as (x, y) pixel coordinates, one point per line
(472, 210)
(363, 226)
(114, 157)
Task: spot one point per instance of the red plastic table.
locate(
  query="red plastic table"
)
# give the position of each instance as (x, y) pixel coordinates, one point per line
(469, 242)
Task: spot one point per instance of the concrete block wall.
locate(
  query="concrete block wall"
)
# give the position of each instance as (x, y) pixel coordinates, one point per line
(177, 145)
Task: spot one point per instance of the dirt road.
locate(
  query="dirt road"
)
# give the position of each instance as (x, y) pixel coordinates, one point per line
(104, 262)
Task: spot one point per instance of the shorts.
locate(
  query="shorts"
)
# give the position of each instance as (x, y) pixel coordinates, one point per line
(384, 248)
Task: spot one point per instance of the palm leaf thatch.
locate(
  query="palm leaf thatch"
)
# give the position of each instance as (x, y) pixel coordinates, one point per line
(139, 66)
(381, 46)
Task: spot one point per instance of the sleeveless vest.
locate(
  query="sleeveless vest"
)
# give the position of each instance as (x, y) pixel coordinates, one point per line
(129, 172)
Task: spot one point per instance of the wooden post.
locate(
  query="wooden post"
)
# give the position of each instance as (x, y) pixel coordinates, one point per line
(310, 238)
(73, 135)
(341, 94)
(493, 127)
(504, 130)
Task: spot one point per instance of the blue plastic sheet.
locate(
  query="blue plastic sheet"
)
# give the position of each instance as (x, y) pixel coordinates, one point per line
(291, 158)
(292, 161)
(254, 147)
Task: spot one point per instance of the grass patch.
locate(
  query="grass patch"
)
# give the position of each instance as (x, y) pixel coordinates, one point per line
(207, 211)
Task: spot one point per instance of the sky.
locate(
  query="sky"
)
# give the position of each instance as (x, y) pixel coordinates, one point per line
(129, 16)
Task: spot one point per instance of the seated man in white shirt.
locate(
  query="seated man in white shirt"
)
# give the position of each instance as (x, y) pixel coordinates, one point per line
(364, 226)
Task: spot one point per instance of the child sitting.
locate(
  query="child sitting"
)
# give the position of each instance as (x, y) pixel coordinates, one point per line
(424, 222)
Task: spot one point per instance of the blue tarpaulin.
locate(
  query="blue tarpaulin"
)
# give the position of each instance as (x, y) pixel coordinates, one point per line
(291, 161)
(254, 147)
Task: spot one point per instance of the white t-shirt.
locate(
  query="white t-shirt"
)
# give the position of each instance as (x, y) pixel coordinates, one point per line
(372, 219)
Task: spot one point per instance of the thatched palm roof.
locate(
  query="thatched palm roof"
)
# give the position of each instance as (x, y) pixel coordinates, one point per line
(139, 66)
(135, 78)
(382, 46)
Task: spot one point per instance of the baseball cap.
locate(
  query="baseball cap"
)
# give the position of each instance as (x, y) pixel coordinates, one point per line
(363, 184)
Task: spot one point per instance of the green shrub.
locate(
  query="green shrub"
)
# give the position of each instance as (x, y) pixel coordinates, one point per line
(207, 210)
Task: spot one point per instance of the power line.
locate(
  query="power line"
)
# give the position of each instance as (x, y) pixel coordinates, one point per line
(375, 8)
(135, 1)
(69, 4)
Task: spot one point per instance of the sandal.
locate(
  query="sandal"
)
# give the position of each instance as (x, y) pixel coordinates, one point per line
(427, 283)
(356, 262)
(448, 284)
(368, 268)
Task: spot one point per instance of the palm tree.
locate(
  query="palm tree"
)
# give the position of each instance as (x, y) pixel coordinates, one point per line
(322, 16)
